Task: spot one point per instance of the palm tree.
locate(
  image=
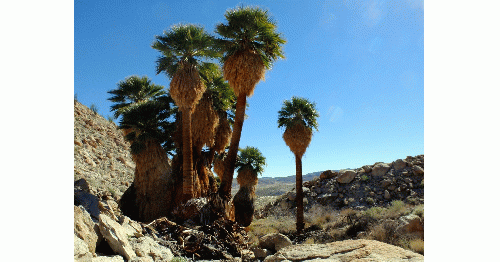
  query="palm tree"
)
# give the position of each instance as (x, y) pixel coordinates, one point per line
(250, 46)
(249, 165)
(183, 49)
(144, 108)
(298, 116)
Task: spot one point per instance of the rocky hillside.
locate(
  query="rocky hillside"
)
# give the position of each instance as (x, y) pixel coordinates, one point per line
(102, 156)
(371, 185)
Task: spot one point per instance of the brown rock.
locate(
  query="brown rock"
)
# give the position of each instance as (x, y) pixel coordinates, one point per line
(85, 228)
(399, 164)
(274, 242)
(380, 169)
(327, 174)
(346, 176)
(347, 250)
(418, 170)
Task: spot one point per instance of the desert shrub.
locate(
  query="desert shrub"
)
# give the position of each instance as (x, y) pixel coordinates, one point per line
(309, 240)
(320, 216)
(384, 232)
(365, 178)
(375, 212)
(419, 211)
(370, 201)
(94, 108)
(417, 245)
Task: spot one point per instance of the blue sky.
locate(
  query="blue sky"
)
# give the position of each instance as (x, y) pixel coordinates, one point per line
(361, 62)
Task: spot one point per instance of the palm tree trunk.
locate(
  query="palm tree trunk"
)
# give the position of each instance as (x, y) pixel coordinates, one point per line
(227, 178)
(187, 155)
(300, 194)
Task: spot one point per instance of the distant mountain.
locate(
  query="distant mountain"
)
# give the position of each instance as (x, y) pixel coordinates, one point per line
(276, 186)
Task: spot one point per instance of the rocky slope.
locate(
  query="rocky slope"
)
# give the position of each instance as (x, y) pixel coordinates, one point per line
(371, 185)
(101, 155)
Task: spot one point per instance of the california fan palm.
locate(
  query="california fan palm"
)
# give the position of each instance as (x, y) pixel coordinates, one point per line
(249, 165)
(298, 117)
(183, 49)
(250, 44)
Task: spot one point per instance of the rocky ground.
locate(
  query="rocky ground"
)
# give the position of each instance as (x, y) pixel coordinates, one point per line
(104, 169)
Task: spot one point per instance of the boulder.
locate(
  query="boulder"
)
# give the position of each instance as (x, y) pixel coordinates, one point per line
(380, 169)
(367, 169)
(85, 228)
(327, 174)
(291, 196)
(81, 251)
(274, 242)
(88, 201)
(387, 195)
(146, 247)
(399, 164)
(190, 210)
(347, 250)
(131, 227)
(116, 258)
(261, 252)
(411, 224)
(418, 170)
(115, 236)
(346, 176)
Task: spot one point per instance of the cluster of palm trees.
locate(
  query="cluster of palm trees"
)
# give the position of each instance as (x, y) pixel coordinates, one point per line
(202, 114)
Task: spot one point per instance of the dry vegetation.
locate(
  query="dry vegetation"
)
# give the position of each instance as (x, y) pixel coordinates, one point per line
(325, 225)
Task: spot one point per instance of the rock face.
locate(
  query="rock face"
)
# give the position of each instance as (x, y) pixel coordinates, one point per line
(274, 242)
(116, 237)
(347, 250)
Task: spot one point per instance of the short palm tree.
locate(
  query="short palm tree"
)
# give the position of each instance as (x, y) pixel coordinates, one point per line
(298, 117)
(145, 108)
(250, 44)
(183, 49)
(249, 165)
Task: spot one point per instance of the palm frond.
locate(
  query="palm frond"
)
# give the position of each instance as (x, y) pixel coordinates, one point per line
(298, 110)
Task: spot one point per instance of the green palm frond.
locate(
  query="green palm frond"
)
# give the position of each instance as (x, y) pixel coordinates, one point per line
(150, 120)
(183, 44)
(250, 28)
(251, 158)
(298, 110)
(132, 91)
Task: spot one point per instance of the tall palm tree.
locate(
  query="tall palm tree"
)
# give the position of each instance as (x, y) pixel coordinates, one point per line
(298, 116)
(183, 49)
(249, 165)
(250, 44)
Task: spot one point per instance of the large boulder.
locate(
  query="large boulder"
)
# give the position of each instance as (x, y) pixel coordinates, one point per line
(86, 229)
(327, 174)
(81, 250)
(346, 176)
(380, 169)
(418, 170)
(347, 250)
(399, 164)
(274, 242)
(145, 247)
(116, 237)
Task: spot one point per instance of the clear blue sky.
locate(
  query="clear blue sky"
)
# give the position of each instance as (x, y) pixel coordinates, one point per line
(361, 62)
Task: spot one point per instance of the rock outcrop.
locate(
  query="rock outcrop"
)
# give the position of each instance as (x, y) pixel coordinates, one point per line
(347, 250)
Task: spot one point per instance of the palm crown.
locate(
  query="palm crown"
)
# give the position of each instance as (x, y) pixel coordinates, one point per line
(251, 158)
(132, 91)
(298, 110)
(183, 44)
(250, 28)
